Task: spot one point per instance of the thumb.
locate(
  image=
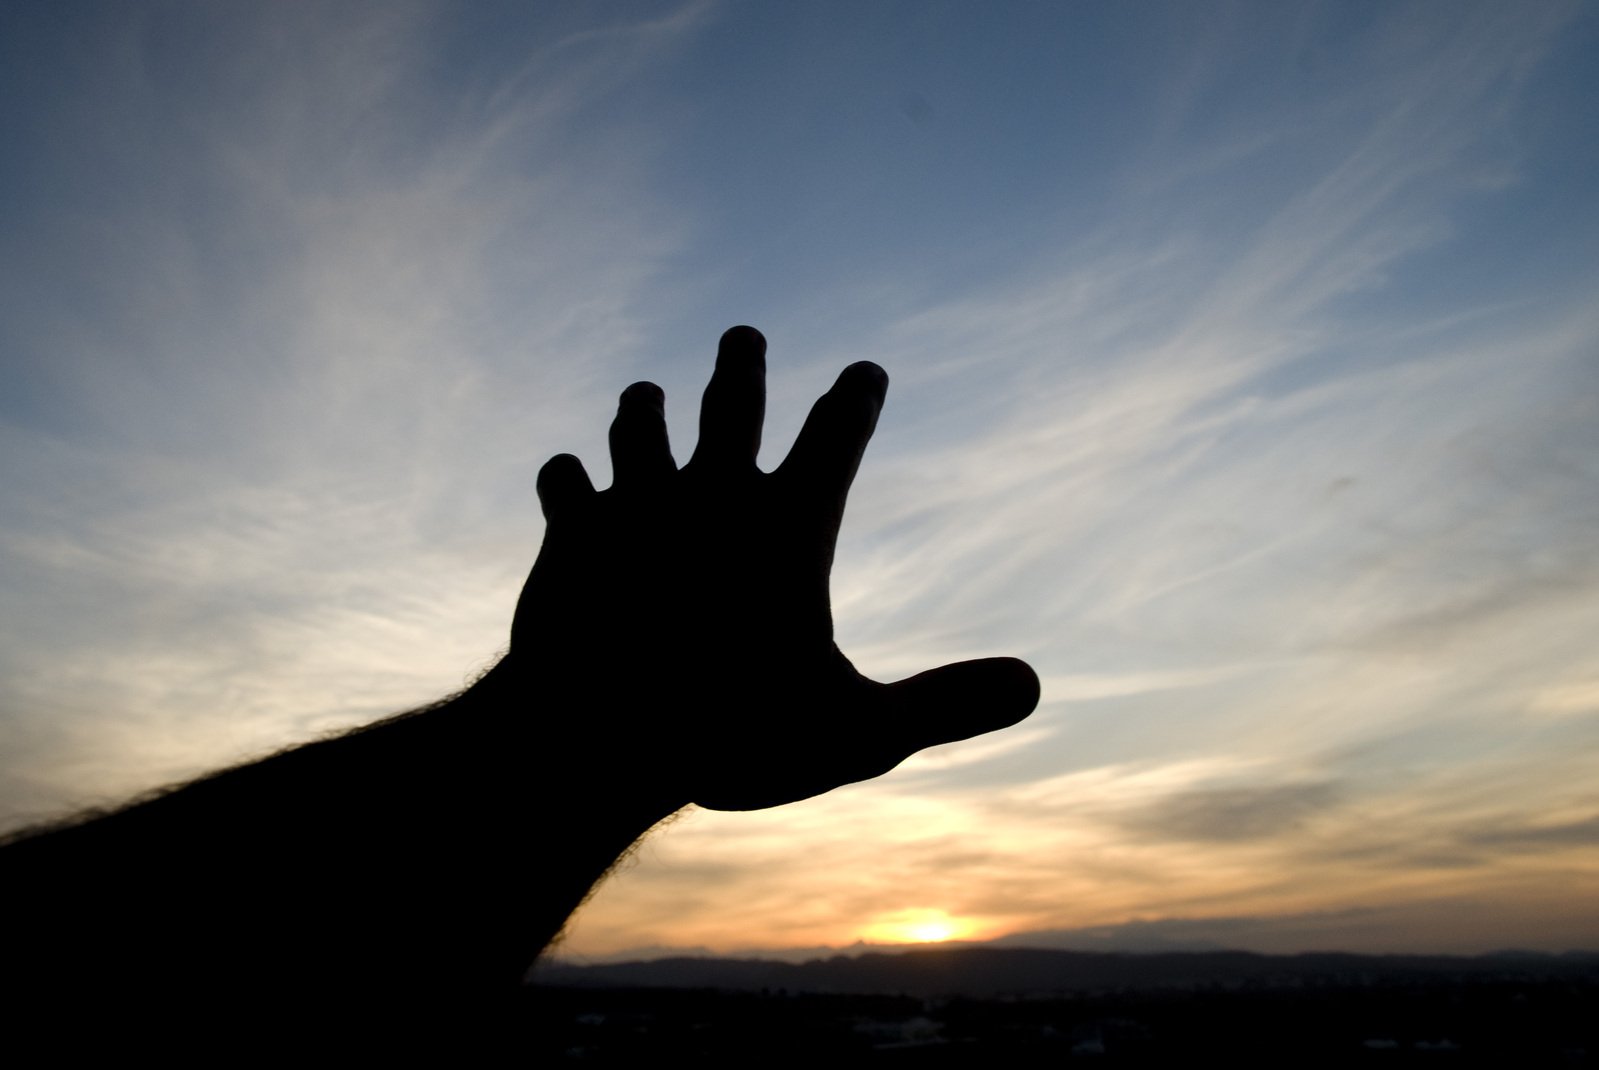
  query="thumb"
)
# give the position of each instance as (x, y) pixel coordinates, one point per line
(961, 700)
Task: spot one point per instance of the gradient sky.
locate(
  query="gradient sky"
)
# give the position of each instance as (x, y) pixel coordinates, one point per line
(1245, 367)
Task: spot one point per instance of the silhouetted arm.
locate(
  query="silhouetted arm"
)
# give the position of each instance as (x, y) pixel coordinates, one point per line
(411, 864)
(673, 644)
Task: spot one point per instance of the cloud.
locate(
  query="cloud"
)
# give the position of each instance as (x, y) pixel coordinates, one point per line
(1530, 837)
(1245, 427)
(1564, 700)
(293, 485)
(1233, 814)
(1287, 539)
(1416, 926)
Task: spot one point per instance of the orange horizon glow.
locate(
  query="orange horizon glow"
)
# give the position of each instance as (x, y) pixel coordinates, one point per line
(917, 925)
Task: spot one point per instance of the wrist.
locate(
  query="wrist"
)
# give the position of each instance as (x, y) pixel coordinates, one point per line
(559, 747)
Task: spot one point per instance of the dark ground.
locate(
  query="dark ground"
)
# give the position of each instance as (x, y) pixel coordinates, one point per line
(1296, 1011)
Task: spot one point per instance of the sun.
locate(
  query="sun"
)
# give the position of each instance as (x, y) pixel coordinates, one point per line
(930, 932)
(917, 925)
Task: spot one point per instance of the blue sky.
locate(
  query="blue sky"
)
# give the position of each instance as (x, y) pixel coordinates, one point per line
(1245, 367)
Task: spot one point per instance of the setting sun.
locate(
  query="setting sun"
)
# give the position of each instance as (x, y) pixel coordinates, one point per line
(916, 926)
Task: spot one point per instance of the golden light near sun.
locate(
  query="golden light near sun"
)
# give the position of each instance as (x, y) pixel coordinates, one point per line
(919, 925)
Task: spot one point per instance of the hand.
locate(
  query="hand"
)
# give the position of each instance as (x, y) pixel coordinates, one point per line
(681, 617)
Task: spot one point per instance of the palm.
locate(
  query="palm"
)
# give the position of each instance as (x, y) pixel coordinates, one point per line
(695, 600)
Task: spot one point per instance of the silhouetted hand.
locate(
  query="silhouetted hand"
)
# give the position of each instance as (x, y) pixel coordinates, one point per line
(673, 644)
(679, 621)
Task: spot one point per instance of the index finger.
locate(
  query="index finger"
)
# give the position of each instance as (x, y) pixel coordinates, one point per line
(829, 448)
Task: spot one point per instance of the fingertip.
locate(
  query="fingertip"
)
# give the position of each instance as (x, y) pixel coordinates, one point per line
(559, 468)
(965, 699)
(562, 483)
(643, 393)
(741, 339)
(992, 693)
(1015, 686)
(865, 374)
(833, 439)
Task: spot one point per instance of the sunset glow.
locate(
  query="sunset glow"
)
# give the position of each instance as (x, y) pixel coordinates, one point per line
(917, 926)
(1243, 382)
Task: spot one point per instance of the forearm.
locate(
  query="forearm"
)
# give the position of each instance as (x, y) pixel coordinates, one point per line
(428, 853)
(677, 634)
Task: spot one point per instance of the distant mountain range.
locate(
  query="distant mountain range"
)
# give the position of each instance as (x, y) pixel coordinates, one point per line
(1437, 926)
(996, 971)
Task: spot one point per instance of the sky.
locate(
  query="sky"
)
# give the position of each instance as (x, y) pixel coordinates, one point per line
(1245, 380)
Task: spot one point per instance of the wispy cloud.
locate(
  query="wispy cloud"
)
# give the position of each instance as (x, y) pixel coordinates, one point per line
(304, 487)
(1247, 516)
(1225, 425)
(1230, 814)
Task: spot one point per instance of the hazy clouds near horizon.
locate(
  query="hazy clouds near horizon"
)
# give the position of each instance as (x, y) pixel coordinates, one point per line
(1245, 368)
